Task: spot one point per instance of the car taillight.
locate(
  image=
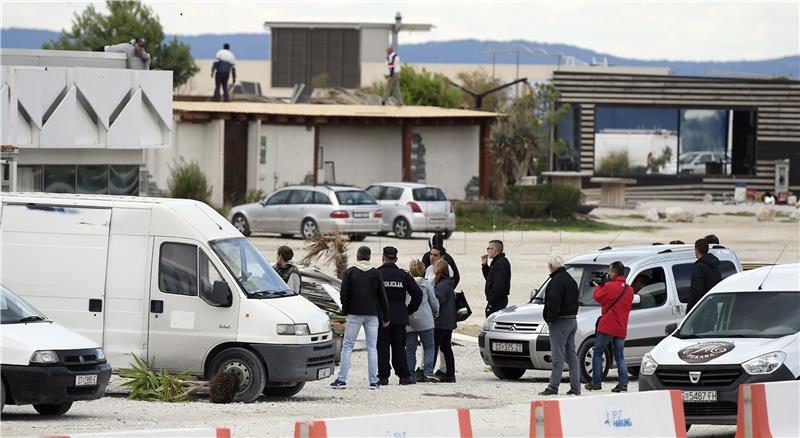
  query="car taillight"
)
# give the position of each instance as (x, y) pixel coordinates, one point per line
(339, 214)
(414, 207)
(378, 214)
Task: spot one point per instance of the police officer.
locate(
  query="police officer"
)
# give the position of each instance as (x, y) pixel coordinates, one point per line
(397, 284)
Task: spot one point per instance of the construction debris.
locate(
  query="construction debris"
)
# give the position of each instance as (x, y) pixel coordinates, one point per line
(651, 215)
(765, 214)
(321, 289)
(342, 96)
(678, 214)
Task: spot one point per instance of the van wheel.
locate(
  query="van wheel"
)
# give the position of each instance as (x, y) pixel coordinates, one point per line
(401, 228)
(241, 224)
(585, 353)
(309, 229)
(284, 391)
(506, 373)
(55, 409)
(249, 369)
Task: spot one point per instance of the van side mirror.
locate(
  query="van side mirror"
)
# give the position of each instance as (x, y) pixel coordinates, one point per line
(221, 295)
(670, 328)
(533, 294)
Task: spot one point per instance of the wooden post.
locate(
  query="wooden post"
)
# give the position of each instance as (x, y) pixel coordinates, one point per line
(316, 155)
(484, 168)
(407, 136)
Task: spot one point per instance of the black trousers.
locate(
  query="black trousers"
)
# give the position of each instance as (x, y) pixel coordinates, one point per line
(221, 81)
(443, 341)
(394, 338)
(498, 304)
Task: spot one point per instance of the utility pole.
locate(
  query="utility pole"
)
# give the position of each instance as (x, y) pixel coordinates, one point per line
(520, 49)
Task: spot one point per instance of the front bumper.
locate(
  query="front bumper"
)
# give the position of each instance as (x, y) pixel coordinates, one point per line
(724, 410)
(53, 384)
(535, 350)
(297, 363)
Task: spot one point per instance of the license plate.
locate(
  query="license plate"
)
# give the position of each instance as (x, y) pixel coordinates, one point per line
(700, 396)
(323, 373)
(361, 215)
(86, 380)
(508, 347)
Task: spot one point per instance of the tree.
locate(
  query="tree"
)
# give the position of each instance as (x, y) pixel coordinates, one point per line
(479, 81)
(523, 137)
(422, 88)
(125, 21)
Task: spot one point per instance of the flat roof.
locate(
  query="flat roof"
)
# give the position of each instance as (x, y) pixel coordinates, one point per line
(347, 25)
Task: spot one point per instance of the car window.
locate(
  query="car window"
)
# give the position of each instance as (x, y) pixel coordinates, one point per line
(583, 276)
(393, 193)
(301, 197)
(683, 277)
(375, 191)
(428, 194)
(208, 274)
(279, 198)
(355, 197)
(177, 269)
(651, 286)
(321, 198)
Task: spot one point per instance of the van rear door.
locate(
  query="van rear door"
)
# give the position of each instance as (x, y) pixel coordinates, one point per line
(55, 257)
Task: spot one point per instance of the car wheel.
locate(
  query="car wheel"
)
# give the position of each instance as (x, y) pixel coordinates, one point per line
(251, 372)
(401, 228)
(634, 371)
(54, 409)
(447, 234)
(358, 237)
(506, 373)
(241, 224)
(284, 391)
(585, 354)
(309, 229)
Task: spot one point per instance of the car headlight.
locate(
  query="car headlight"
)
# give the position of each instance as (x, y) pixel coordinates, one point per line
(545, 328)
(99, 354)
(648, 366)
(487, 325)
(765, 364)
(293, 329)
(44, 356)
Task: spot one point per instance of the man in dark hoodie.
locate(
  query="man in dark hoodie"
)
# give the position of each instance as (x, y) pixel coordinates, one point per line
(397, 284)
(438, 240)
(705, 273)
(498, 277)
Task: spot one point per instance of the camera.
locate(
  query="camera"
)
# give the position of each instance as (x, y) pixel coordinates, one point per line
(601, 277)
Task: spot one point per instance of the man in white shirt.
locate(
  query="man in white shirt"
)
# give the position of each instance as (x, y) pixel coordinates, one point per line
(437, 252)
(392, 77)
(221, 70)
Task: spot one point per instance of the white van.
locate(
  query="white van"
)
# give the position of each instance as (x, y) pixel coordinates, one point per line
(43, 363)
(745, 330)
(169, 280)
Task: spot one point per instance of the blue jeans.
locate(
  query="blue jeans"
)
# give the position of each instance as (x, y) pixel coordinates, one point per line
(352, 326)
(428, 351)
(618, 347)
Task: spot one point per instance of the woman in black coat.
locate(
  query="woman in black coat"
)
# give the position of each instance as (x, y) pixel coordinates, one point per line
(445, 323)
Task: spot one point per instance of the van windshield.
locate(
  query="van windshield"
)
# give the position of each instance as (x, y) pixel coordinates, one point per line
(744, 315)
(14, 310)
(252, 272)
(583, 275)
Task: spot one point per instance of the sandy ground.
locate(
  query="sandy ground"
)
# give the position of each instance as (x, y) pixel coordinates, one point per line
(499, 408)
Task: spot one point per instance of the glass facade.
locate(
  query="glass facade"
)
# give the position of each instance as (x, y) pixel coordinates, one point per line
(90, 179)
(567, 156)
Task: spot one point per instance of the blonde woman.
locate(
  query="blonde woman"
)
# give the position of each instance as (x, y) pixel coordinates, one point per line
(420, 326)
(445, 323)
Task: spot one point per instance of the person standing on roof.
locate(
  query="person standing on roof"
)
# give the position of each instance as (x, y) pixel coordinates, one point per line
(705, 273)
(392, 77)
(223, 68)
(132, 49)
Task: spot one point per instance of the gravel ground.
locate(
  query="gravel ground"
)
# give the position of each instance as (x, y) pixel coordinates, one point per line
(499, 408)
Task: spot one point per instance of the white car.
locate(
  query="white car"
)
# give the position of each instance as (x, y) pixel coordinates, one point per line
(43, 363)
(410, 207)
(745, 330)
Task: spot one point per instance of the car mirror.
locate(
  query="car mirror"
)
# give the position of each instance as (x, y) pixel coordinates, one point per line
(533, 293)
(637, 299)
(221, 295)
(670, 328)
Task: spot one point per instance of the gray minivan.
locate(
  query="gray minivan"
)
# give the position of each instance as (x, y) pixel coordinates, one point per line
(516, 338)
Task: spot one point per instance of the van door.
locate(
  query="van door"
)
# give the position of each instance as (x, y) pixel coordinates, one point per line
(55, 257)
(648, 318)
(184, 326)
(681, 271)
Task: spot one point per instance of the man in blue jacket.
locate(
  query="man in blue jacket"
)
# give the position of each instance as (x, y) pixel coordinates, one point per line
(397, 284)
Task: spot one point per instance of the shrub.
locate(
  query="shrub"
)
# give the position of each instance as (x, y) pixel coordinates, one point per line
(543, 200)
(254, 195)
(615, 163)
(188, 181)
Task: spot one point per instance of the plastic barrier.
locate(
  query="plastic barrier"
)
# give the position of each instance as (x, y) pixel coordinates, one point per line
(439, 423)
(220, 432)
(768, 410)
(650, 413)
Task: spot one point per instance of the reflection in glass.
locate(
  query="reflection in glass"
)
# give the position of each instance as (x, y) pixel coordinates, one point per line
(635, 141)
(93, 179)
(703, 140)
(123, 180)
(29, 178)
(567, 156)
(59, 179)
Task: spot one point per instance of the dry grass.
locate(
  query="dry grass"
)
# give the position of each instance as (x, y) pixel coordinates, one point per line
(328, 249)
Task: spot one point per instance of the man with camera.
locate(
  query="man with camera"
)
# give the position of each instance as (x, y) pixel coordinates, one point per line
(616, 297)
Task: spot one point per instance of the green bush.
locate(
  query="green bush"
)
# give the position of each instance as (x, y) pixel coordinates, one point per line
(615, 163)
(254, 195)
(187, 181)
(543, 200)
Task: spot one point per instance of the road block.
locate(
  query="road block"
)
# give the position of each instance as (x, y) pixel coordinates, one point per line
(768, 410)
(438, 423)
(650, 413)
(219, 432)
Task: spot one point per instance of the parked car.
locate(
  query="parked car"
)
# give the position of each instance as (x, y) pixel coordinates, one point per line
(745, 330)
(45, 364)
(169, 280)
(695, 162)
(410, 207)
(307, 210)
(516, 339)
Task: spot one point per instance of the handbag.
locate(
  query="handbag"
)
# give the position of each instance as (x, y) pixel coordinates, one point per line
(463, 311)
(597, 323)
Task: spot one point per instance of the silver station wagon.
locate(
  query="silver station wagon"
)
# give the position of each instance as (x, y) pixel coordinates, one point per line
(307, 210)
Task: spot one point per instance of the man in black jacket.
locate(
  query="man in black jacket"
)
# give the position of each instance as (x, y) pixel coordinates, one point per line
(364, 302)
(397, 284)
(560, 312)
(705, 273)
(438, 240)
(498, 277)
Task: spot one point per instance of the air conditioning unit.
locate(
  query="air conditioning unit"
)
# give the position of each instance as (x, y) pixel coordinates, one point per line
(782, 176)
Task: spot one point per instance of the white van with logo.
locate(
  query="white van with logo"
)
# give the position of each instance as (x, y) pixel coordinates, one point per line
(745, 330)
(169, 280)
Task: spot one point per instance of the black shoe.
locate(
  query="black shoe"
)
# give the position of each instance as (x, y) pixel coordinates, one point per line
(407, 381)
(571, 392)
(548, 392)
(620, 388)
(593, 387)
(448, 379)
(383, 381)
(440, 374)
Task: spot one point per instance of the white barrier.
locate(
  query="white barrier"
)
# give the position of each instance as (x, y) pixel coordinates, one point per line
(439, 423)
(768, 410)
(220, 432)
(650, 413)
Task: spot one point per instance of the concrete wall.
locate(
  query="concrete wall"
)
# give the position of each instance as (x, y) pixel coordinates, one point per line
(451, 157)
(363, 155)
(289, 156)
(374, 43)
(199, 142)
(79, 156)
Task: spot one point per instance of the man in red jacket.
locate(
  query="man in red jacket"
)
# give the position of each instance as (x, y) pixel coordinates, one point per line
(616, 297)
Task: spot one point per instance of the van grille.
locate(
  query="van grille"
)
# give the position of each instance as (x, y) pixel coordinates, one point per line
(319, 361)
(516, 327)
(709, 409)
(79, 360)
(678, 377)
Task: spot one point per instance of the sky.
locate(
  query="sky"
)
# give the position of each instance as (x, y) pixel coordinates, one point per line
(685, 30)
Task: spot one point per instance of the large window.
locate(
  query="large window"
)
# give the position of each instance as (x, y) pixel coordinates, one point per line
(94, 179)
(567, 155)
